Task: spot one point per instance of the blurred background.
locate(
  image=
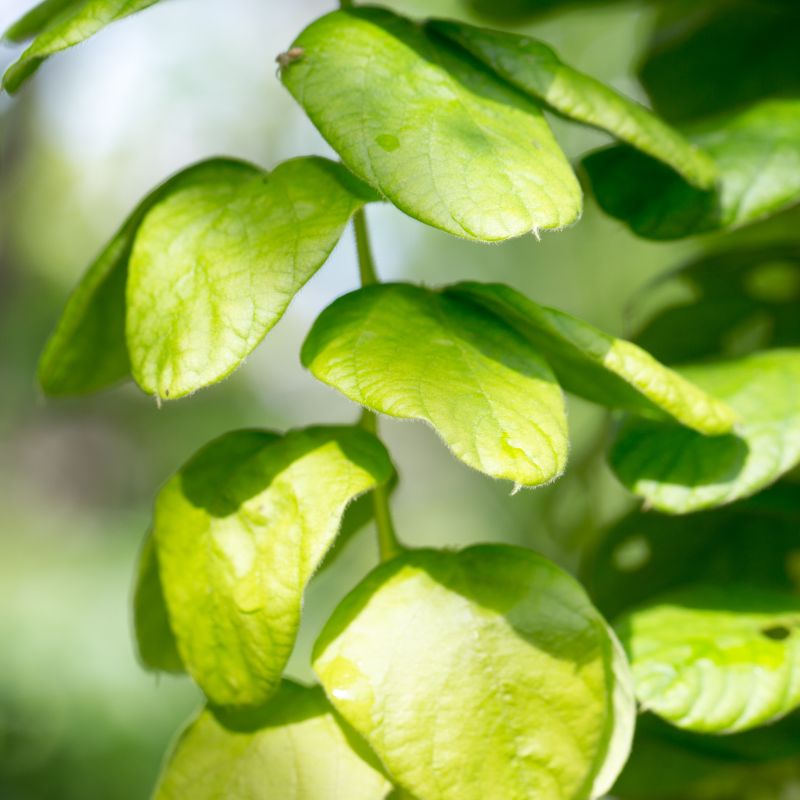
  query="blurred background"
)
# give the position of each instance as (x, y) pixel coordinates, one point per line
(96, 129)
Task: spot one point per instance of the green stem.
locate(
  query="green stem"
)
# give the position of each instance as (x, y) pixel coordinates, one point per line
(388, 544)
(345, 3)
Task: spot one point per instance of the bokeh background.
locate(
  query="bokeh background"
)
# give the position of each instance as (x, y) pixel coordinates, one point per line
(96, 129)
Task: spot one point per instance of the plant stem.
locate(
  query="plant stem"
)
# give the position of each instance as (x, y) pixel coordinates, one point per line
(345, 3)
(388, 544)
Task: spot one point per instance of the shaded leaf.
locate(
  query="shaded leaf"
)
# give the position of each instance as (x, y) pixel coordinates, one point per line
(716, 658)
(484, 673)
(535, 69)
(600, 367)
(757, 152)
(291, 749)
(58, 25)
(416, 354)
(442, 138)
(215, 265)
(678, 471)
(239, 532)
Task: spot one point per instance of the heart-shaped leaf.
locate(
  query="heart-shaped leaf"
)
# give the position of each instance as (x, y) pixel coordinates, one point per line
(59, 24)
(534, 68)
(417, 354)
(679, 471)
(239, 532)
(757, 152)
(445, 140)
(600, 367)
(484, 673)
(291, 749)
(716, 658)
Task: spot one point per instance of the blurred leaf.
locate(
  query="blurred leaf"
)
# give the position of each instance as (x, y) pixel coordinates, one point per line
(446, 141)
(239, 532)
(678, 471)
(535, 69)
(737, 295)
(716, 658)
(758, 155)
(490, 663)
(215, 265)
(155, 639)
(416, 354)
(291, 749)
(58, 25)
(694, 66)
(599, 367)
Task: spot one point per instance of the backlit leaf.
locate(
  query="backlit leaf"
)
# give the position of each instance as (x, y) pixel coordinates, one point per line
(678, 471)
(442, 138)
(483, 673)
(239, 532)
(417, 354)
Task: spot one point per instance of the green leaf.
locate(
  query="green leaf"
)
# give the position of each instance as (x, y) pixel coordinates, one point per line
(215, 265)
(758, 155)
(535, 69)
(239, 532)
(155, 640)
(442, 138)
(58, 25)
(291, 749)
(483, 673)
(87, 351)
(716, 658)
(417, 354)
(599, 367)
(678, 471)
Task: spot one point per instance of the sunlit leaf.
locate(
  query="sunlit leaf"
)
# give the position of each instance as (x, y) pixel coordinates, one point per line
(215, 265)
(239, 532)
(716, 658)
(678, 471)
(445, 140)
(534, 68)
(417, 354)
(600, 367)
(758, 155)
(483, 673)
(291, 749)
(58, 25)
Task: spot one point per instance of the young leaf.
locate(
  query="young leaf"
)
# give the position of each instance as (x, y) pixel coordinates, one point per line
(215, 265)
(535, 69)
(484, 673)
(441, 137)
(599, 367)
(87, 350)
(291, 749)
(758, 155)
(239, 532)
(416, 354)
(155, 640)
(58, 25)
(678, 471)
(716, 658)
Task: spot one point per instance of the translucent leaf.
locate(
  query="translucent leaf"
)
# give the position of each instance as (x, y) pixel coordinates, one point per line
(291, 749)
(678, 471)
(155, 640)
(58, 25)
(239, 532)
(716, 658)
(535, 69)
(416, 354)
(600, 367)
(484, 673)
(445, 140)
(758, 155)
(215, 265)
